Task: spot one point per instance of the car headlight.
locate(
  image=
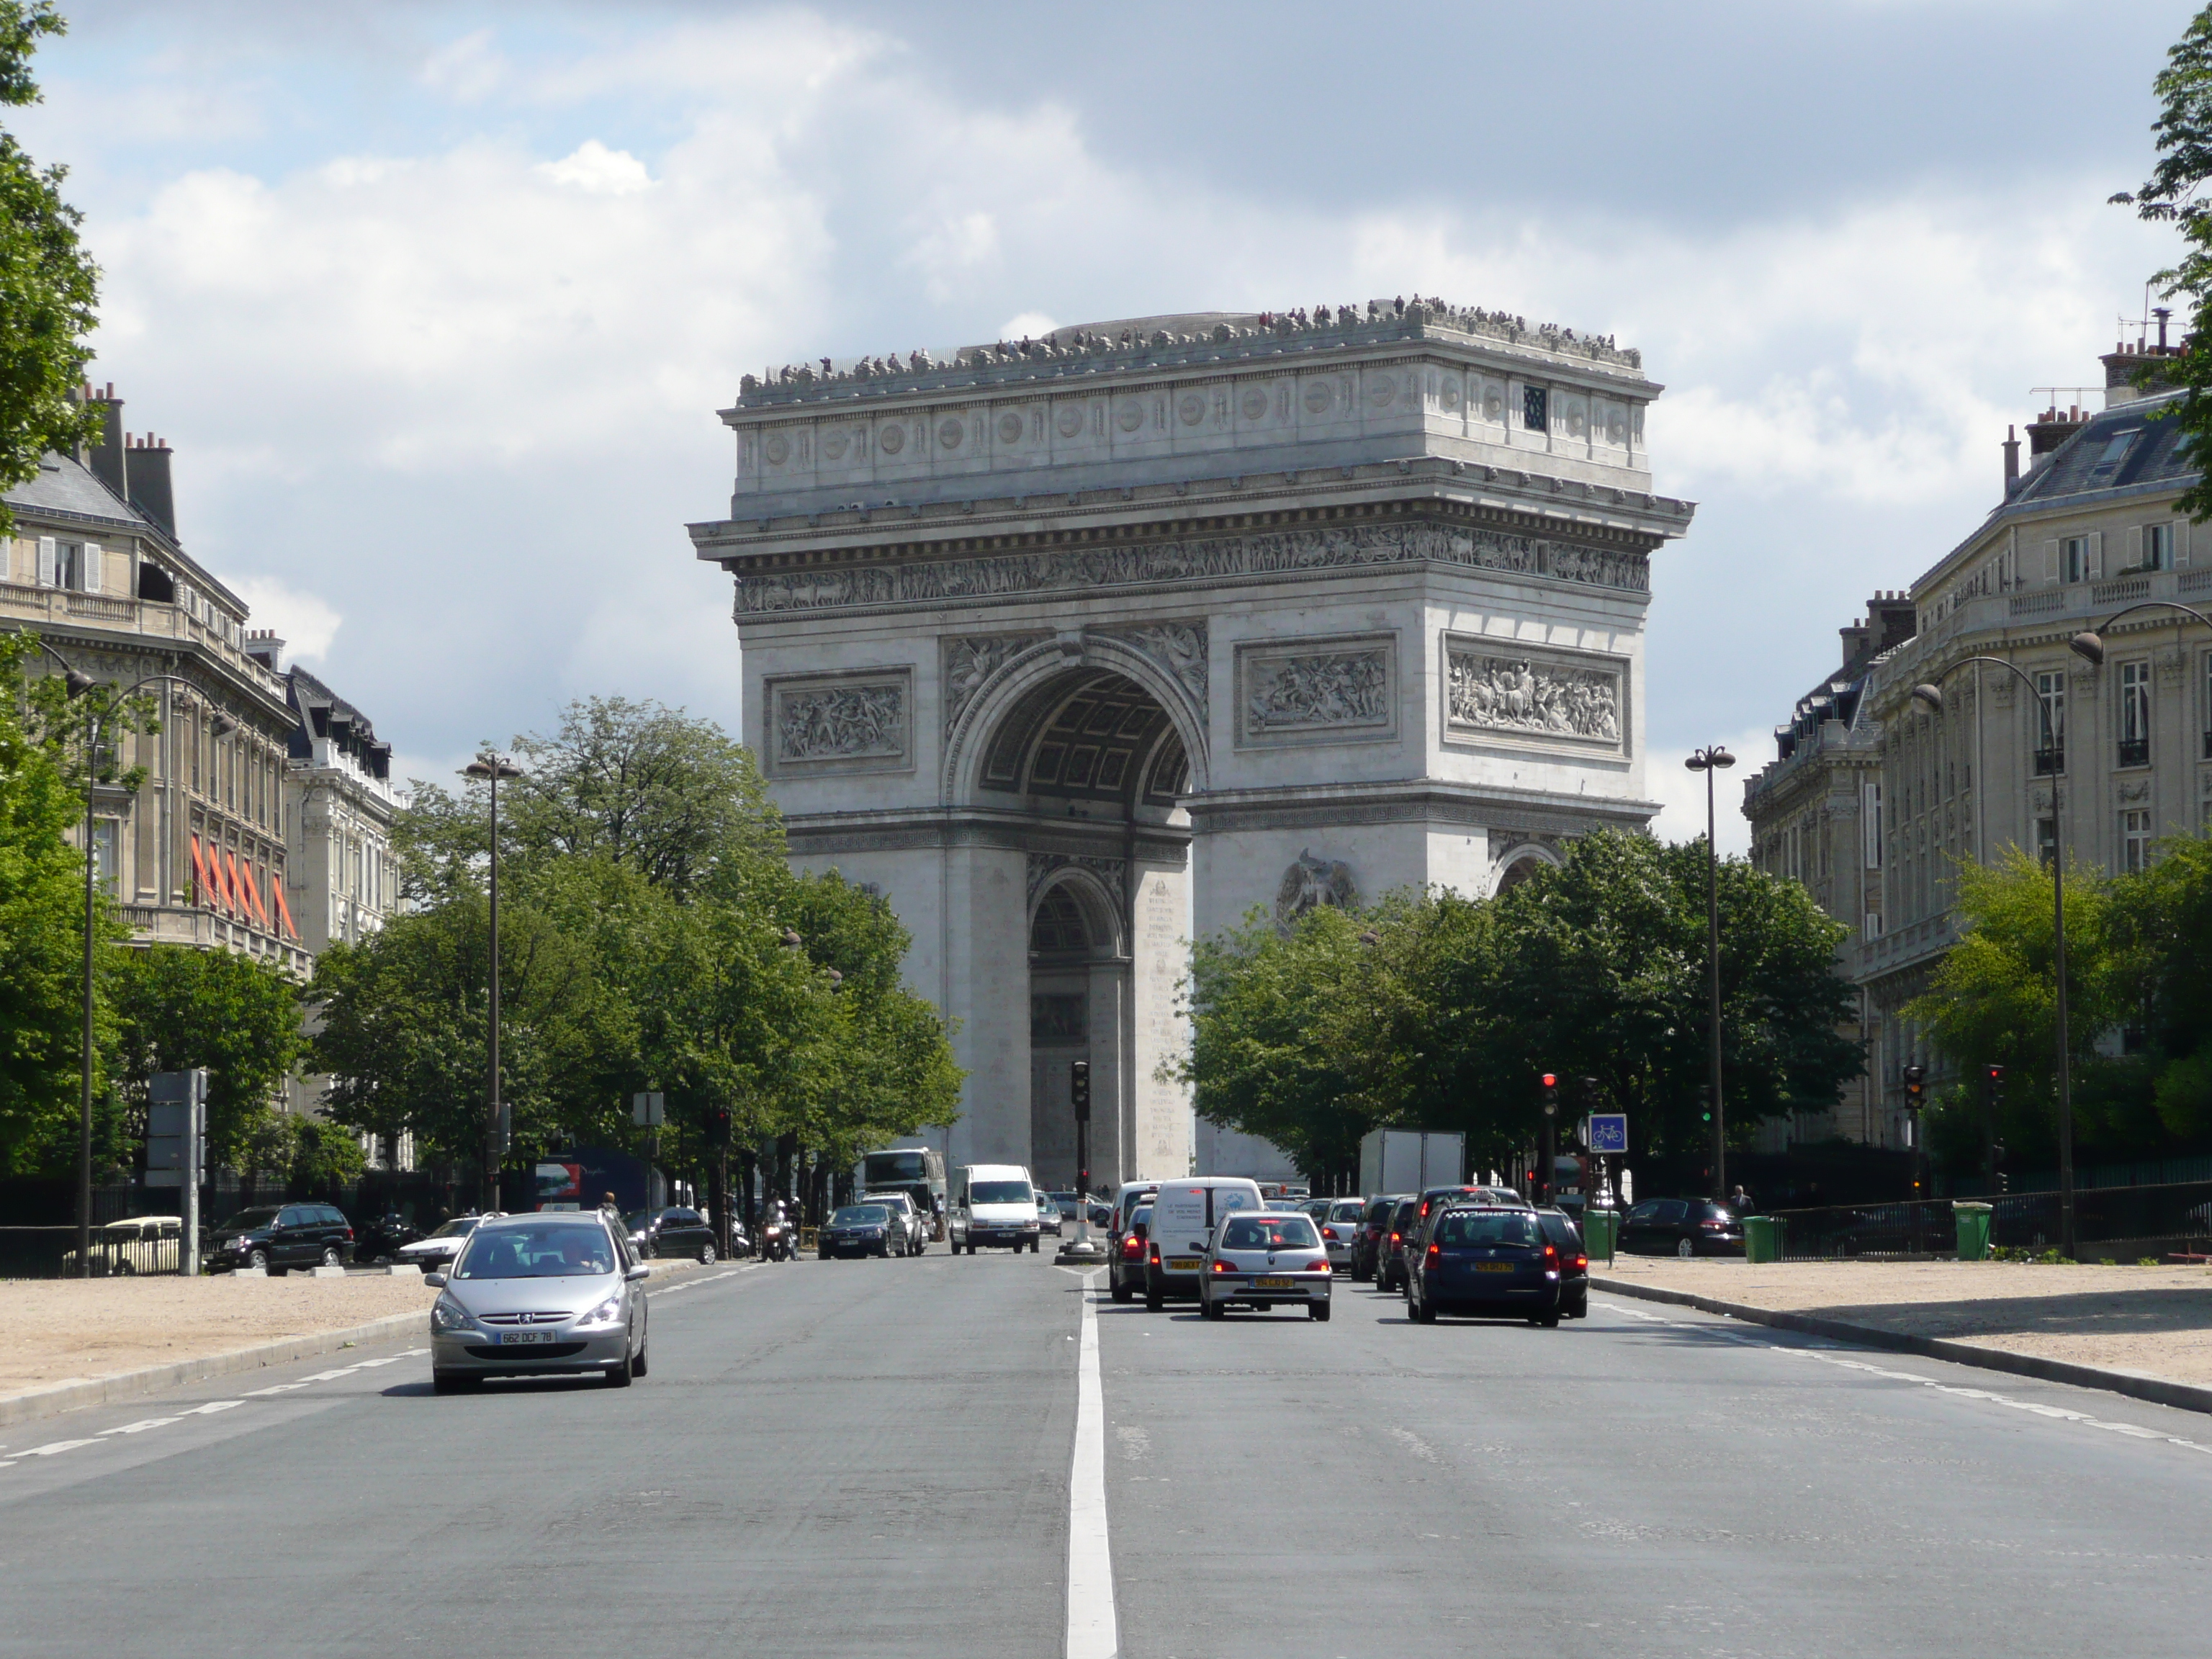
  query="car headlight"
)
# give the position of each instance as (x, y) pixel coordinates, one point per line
(609, 1312)
(447, 1314)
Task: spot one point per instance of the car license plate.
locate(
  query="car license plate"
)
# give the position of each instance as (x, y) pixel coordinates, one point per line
(514, 1339)
(1184, 1265)
(1276, 1283)
(1493, 1267)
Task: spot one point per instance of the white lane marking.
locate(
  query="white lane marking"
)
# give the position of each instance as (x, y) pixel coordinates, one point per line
(53, 1447)
(2058, 1413)
(1093, 1632)
(139, 1426)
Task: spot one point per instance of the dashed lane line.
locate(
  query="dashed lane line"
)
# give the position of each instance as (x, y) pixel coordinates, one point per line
(1092, 1631)
(2057, 1413)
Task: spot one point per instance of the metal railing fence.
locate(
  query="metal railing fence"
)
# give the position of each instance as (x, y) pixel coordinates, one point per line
(2177, 1216)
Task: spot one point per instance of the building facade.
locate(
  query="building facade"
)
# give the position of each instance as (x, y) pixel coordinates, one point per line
(195, 855)
(1080, 648)
(2111, 758)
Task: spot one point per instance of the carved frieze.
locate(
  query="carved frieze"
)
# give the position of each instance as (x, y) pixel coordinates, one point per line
(843, 722)
(1178, 649)
(1191, 559)
(1492, 686)
(1329, 689)
(970, 662)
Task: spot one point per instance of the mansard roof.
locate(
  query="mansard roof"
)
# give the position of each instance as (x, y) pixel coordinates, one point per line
(2093, 462)
(65, 489)
(323, 713)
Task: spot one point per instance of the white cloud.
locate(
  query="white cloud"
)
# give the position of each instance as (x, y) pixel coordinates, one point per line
(1681, 792)
(306, 623)
(592, 166)
(1028, 325)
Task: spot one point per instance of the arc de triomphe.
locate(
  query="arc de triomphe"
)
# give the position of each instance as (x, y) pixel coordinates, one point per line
(1081, 649)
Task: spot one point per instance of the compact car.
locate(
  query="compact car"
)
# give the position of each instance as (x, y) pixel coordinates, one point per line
(1490, 1263)
(854, 1230)
(1258, 1259)
(1374, 1228)
(1048, 1214)
(1339, 1226)
(1125, 1255)
(1681, 1226)
(1390, 1250)
(676, 1231)
(435, 1252)
(1560, 1230)
(531, 1295)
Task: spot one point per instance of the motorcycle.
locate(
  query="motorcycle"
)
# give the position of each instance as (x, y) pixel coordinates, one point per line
(779, 1241)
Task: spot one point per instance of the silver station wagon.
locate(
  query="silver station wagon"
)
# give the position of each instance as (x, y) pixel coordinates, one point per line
(537, 1294)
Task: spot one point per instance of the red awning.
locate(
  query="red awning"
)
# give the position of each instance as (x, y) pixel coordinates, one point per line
(254, 892)
(208, 893)
(283, 910)
(239, 887)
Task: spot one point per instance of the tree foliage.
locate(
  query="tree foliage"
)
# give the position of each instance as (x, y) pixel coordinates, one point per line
(49, 286)
(180, 1008)
(1439, 1011)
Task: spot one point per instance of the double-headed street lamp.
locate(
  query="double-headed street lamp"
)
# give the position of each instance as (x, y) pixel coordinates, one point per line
(492, 766)
(1709, 761)
(2089, 645)
(79, 683)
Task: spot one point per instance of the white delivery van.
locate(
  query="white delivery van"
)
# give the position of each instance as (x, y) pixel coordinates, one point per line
(991, 1204)
(1184, 1216)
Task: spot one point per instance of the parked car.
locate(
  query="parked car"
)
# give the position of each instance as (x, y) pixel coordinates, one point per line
(1125, 1258)
(1338, 1222)
(278, 1237)
(1560, 1229)
(436, 1251)
(856, 1229)
(1681, 1226)
(138, 1244)
(1390, 1259)
(1374, 1229)
(1487, 1262)
(673, 1231)
(1048, 1214)
(906, 1220)
(1258, 1259)
(557, 1292)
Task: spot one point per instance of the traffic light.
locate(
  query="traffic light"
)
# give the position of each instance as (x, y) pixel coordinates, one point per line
(1705, 1103)
(1079, 1089)
(1550, 1095)
(1993, 1081)
(1916, 1086)
(718, 1126)
(1997, 1157)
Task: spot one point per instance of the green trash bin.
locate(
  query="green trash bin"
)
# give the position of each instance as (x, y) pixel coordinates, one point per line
(1973, 1221)
(1600, 1230)
(1762, 1237)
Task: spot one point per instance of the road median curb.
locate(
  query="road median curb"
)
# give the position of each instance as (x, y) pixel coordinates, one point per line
(2158, 1390)
(130, 1385)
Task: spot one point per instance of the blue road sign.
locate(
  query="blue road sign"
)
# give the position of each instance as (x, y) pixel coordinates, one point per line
(1608, 1133)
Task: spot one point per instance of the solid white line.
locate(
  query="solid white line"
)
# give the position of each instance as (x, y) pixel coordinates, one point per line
(1092, 1631)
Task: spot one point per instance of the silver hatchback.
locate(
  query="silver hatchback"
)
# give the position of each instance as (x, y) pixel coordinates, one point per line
(554, 1292)
(1261, 1258)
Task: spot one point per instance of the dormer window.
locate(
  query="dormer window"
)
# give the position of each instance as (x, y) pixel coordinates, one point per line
(2115, 452)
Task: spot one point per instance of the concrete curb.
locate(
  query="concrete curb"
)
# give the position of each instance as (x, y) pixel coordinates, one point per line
(130, 1385)
(2158, 1390)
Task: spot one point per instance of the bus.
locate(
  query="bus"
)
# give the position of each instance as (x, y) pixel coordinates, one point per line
(917, 1171)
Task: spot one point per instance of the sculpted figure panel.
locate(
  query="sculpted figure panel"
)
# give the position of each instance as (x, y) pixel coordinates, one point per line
(854, 721)
(1504, 693)
(970, 662)
(1321, 690)
(1178, 647)
(1312, 881)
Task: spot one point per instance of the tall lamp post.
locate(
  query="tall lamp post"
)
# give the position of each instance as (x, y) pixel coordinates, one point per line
(492, 766)
(1709, 761)
(78, 683)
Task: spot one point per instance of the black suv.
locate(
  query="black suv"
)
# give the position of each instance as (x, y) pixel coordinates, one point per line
(673, 1232)
(279, 1238)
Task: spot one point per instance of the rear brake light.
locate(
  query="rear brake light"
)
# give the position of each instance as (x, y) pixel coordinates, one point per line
(1318, 1265)
(1328, 1232)
(1221, 1266)
(1714, 1226)
(1156, 1255)
(1435, 1251)
(1581, 1261)
(1132, 1250)
(1394, 1238)
(1551, 1255)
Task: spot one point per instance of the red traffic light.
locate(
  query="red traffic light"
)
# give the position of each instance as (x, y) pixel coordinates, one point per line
(1551, 1081)
(1994, 1074)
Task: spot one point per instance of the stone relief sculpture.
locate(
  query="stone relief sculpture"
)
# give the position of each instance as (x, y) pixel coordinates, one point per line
(843, 722)
(1312, 882)
(1348, 688)
(1178, 647)
(970, 662)
(1193, 559)
(1517, 695)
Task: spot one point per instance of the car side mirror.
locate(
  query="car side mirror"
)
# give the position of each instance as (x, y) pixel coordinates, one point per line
(632, 1275)
(436, 1281)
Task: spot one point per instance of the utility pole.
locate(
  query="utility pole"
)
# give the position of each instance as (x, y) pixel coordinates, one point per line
(498, 1125)
(1709, 761)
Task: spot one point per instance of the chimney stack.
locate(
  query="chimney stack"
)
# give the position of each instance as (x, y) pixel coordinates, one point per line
(266, 646)
(2012, 459)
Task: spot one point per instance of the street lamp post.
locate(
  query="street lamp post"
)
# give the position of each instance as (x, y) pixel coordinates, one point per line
(1709, 761)
(491, 766)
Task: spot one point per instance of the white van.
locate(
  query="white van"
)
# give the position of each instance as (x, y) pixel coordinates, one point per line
(991, 1204)
(1184, 1216)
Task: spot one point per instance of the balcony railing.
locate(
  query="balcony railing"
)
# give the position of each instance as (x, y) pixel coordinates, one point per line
(148, 618)
(2049, 762)
(2135, 751)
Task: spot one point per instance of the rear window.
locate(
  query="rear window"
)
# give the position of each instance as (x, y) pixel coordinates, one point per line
(1405, 1215)
(1488, 1227)
(1288, 1232)
(1378, 1212)
(1561, 1231)
(1717, 1212)
(1345, 1210)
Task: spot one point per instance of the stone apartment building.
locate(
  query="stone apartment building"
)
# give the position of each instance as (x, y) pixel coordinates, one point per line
(2116, 757)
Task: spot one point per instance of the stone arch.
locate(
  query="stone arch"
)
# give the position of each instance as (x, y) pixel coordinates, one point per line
(1030, 680)
(1522, 862)
(1097, 904)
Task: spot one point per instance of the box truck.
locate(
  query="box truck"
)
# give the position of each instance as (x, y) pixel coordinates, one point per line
(1407, 1160)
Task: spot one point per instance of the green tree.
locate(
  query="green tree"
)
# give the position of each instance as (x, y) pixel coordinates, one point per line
(2161, 922)
(49, 287)
(180, 1008)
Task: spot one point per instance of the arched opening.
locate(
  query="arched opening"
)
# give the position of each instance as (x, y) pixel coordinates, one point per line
(1519, 866)
(1087, 739)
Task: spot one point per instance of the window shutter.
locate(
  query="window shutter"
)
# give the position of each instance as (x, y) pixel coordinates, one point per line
(47, 555)
(2136, 546)
(2180, 542)
(2050, 573)
(2096, 556)
(88, 579)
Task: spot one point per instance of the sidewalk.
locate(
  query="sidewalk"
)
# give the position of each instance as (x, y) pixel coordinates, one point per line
(2138, 1322)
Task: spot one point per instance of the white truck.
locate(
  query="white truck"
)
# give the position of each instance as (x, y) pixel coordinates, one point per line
(1408, 1160)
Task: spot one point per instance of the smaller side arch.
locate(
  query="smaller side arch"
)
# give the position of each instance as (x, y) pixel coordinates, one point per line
(1097, 903)
(1521, 861)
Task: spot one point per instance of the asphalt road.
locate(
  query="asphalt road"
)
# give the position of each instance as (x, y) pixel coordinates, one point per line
(875, 1458)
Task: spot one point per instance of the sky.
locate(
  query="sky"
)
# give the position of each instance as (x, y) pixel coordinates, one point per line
(436, 303)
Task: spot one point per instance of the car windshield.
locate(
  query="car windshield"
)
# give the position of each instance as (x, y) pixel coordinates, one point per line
(246, 1220)
(999, 1192)
(537, 1249)
(458, 1228)
(860, 1215)
(1284, 1232)
(1488, 1227)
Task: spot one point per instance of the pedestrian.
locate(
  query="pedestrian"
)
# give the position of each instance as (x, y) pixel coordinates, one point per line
(1740, 1200)
(607, 1203)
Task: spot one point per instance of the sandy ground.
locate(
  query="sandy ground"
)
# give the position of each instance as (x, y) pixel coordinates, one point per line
(2156, 1321)
(65, 1330)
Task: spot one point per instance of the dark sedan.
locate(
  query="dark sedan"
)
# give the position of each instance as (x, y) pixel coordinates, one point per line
(1559, 1230)
(856, 1229)
(1125, 1266)
(1681, 1226)
(673, 1231)
(1390, 1249)
(1374, 1228)
(1494, 1264)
